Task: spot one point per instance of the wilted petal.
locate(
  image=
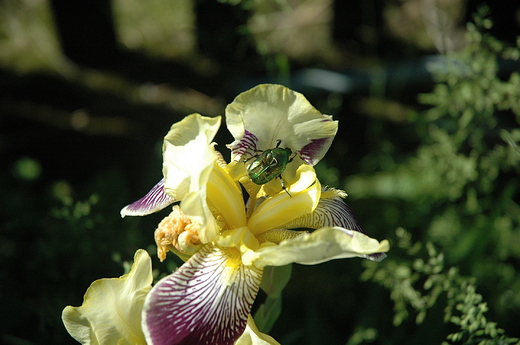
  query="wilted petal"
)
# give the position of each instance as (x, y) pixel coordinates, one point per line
(258, 118)
(111, 310)
(252, 336)
(319, 246)
(155, 200)
(206, 301)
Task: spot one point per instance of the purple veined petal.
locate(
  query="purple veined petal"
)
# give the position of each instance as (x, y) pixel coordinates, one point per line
(333, 212)
(313, 152)
(155, 200)
(341, 215)
(206, 301)
(375, 257)
(338, 213)
(330, 212)
(245, 146)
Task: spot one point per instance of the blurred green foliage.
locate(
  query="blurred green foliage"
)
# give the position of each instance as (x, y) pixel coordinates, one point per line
(462, 181)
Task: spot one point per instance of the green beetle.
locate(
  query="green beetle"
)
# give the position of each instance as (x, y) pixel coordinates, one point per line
(270, 164)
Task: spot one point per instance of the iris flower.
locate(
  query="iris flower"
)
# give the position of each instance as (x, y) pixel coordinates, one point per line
(228, 229)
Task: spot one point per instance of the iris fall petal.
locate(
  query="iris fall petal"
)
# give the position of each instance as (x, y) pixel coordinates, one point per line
(313, 248)
(252, 336)
(111, 311)
(206, 301)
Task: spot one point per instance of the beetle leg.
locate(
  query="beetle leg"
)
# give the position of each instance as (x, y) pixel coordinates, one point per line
(291, 158)
(247, 160)
(283, 186)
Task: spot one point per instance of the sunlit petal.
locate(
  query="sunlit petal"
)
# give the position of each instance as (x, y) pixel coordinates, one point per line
(314, 151)
(322, 245)
(258, 118)
(196, 207)
(240, 238)
(111, 310)
(206, 301)
(188, 155)
(238, 172)
(252, 336)
(155, 200)
(189, 160)
(331, 211)
(302, 197)
(226, 197)
(246, 143)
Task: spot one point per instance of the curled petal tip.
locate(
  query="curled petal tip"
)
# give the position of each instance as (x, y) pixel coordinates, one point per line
(377, 257)
(155, 200)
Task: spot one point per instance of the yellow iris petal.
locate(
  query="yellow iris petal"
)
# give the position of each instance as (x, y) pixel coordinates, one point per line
(240, 238)
(188, 156)
(272, 112)
(225, 196)
(111, 311)
(302, 197)
(252, 336)
(322, 245)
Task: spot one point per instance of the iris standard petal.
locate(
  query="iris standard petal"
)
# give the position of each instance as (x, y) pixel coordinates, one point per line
(314, 151)
(206, 301)
(258, 118)
(312, 248)
(155, 200)
(111, 310)
(188, 157)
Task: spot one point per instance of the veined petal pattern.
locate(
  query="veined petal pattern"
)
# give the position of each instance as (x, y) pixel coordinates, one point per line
(330, 211)
(206, 301)
(155, 200)
(258, 118)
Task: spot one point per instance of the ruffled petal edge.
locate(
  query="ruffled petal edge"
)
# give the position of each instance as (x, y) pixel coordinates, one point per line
(313, 248)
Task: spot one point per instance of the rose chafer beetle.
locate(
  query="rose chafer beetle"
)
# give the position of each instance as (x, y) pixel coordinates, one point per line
(270, 164)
